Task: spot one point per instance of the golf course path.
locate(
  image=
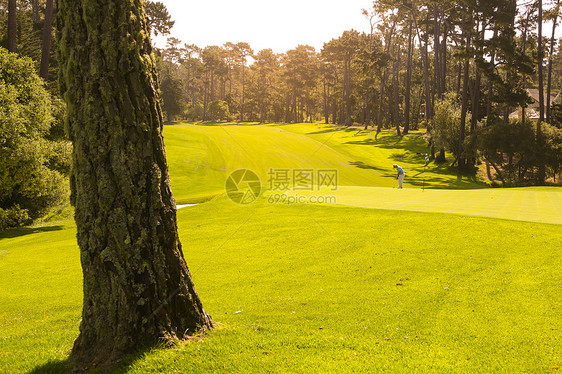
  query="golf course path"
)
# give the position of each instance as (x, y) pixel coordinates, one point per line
(534, 205)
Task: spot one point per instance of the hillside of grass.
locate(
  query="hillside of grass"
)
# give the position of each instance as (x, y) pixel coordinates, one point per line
(202, 156)
(320, 288)
(361, 157)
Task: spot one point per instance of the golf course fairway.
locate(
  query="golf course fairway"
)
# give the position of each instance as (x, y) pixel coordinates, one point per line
(454, 277)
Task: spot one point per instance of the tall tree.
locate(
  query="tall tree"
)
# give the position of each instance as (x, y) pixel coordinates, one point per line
(46, 40)
(540, 55)
(158, 18)
(12, 25)
(554, 16)
(137, 288)
(244, 51)
(408, 79)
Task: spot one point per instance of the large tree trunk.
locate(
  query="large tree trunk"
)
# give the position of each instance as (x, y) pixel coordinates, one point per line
(344, 102)
(46, 41)
(444, 59)
(137, 288)
(384, 78)
(475, 97)
(12, 25)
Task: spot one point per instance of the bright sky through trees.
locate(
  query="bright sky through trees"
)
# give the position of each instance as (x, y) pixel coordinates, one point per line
(279, 25)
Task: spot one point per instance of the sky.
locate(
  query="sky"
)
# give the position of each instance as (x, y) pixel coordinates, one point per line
(277, 24)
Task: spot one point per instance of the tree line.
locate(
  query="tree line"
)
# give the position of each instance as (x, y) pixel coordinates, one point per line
(478, 59)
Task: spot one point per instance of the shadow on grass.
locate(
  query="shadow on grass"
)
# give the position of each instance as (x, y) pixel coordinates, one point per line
(66, 366)
(53, 367)
(412, 143)
(212, 123)
(331, 129)
(14, 233)
(362, 165)
(462, 182)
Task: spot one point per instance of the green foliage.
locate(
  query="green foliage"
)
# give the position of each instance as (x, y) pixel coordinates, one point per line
(13, 217)
(194, 112)
(218, 110)
(172, 94)
(515, 148)
(31, 166)
(552, 148)
(158, 18)
(557, 115)
(446, 123)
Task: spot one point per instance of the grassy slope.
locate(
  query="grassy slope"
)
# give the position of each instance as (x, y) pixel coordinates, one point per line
(316, 285)
(202, 156)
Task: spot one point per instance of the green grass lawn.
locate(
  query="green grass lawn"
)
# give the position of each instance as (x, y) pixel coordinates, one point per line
(319, 288)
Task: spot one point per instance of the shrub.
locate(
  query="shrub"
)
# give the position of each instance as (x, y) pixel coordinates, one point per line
(28, 179)
(218, 110)
(513, 148)
(13, 217)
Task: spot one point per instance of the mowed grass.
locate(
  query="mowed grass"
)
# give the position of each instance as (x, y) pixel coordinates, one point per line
(318, 289)
(362, 158)
(310, 288)
(202, 156)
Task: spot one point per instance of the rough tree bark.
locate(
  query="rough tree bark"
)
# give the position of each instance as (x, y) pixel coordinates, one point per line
(437, 53)
(137, 287)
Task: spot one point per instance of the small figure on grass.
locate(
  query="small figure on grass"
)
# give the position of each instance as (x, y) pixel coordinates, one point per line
(400, 176)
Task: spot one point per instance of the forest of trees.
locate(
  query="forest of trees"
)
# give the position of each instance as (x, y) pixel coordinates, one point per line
(461, 70)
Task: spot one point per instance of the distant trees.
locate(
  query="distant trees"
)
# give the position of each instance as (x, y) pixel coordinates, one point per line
(479, 57)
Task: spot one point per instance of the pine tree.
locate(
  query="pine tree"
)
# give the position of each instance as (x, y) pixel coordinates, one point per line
(137, 288)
